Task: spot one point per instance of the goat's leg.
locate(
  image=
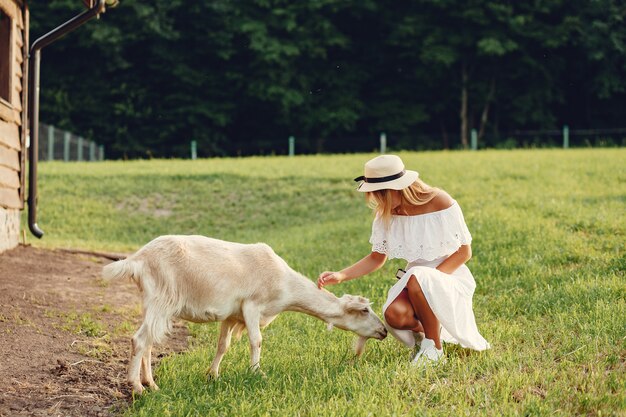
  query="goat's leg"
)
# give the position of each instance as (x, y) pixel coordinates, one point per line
(146, 369)
(153, 328)
(226, 332)
(251, 316)
(139, 344)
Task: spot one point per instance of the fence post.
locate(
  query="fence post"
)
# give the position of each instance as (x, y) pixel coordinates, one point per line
(383, 142)
(474, 139)
(80, 148)
(565, 136)
(292, 146)
(92, 151)
(66, 146)
(101, 153)
(194, 150)
(50, 143)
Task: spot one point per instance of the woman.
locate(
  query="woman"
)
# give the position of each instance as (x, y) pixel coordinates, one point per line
(424, 226)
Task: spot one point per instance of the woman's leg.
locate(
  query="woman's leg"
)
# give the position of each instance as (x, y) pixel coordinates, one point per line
(426, 315)
(401, 315)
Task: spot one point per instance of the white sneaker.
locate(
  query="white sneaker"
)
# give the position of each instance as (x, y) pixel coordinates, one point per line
(428, 354)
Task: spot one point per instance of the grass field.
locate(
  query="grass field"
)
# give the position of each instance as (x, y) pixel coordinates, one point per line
(549, 229)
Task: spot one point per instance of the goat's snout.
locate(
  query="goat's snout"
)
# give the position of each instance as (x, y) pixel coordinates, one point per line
(382, 333)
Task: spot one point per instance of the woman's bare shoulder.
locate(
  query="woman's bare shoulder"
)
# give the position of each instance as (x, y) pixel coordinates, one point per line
(441, 201)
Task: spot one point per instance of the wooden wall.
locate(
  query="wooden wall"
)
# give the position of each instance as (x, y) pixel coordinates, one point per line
(12, 120)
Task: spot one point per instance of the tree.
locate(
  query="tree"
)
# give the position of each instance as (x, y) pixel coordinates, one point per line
(240, 77)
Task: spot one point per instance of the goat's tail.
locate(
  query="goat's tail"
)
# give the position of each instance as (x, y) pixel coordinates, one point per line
(126, 268)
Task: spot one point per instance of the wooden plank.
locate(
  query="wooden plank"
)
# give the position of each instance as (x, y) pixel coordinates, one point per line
(18, 104)
(9, 158)
(6, 50)
(9, 134)
(9, 7)
(18, 37)
(17, 117)
(18, 67)
(16, 100)
(9, 198)
(24, 127)
(16, 70)
(17, 81)
(6, 114)
(19, 18)
(9, 178)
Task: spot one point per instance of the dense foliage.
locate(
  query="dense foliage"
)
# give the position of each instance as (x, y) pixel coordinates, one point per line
(240, 76)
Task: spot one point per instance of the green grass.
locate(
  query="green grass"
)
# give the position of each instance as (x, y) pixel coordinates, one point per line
(549, 229)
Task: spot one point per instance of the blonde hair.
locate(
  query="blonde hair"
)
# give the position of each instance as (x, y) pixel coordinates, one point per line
(417, 194)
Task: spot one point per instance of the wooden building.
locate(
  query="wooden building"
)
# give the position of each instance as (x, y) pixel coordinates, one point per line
(13, 121)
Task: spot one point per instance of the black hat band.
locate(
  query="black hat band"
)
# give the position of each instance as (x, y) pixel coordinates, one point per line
(380, 179)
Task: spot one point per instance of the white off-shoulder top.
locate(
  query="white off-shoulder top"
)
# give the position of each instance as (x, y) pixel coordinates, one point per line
(421, 237)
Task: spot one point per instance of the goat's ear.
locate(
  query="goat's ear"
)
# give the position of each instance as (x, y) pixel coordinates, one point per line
(353, 303)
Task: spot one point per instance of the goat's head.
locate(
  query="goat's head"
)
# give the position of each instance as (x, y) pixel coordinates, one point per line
(359, 318)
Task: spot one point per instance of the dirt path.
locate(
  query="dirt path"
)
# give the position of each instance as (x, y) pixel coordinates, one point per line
(64, 335)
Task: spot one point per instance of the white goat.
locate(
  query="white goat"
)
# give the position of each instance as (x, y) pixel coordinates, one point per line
(200, 279)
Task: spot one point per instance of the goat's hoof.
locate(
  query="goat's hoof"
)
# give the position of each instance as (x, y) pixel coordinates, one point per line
(150, 384)
(212, 376)
(137, 389)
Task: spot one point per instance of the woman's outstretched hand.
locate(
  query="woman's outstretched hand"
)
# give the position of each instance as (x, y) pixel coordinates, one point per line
(329, 278)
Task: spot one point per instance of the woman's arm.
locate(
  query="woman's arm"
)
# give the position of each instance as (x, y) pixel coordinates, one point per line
(368, 264)
(454, 261)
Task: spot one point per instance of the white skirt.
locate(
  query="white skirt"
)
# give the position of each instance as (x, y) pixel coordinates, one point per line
(449, 297)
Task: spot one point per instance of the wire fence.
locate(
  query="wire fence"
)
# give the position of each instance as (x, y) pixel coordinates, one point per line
(60, 145)
(565, 138)
(549, 138)
(413, 141)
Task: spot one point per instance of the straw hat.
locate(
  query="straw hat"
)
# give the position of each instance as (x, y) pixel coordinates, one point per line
(385, 172)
